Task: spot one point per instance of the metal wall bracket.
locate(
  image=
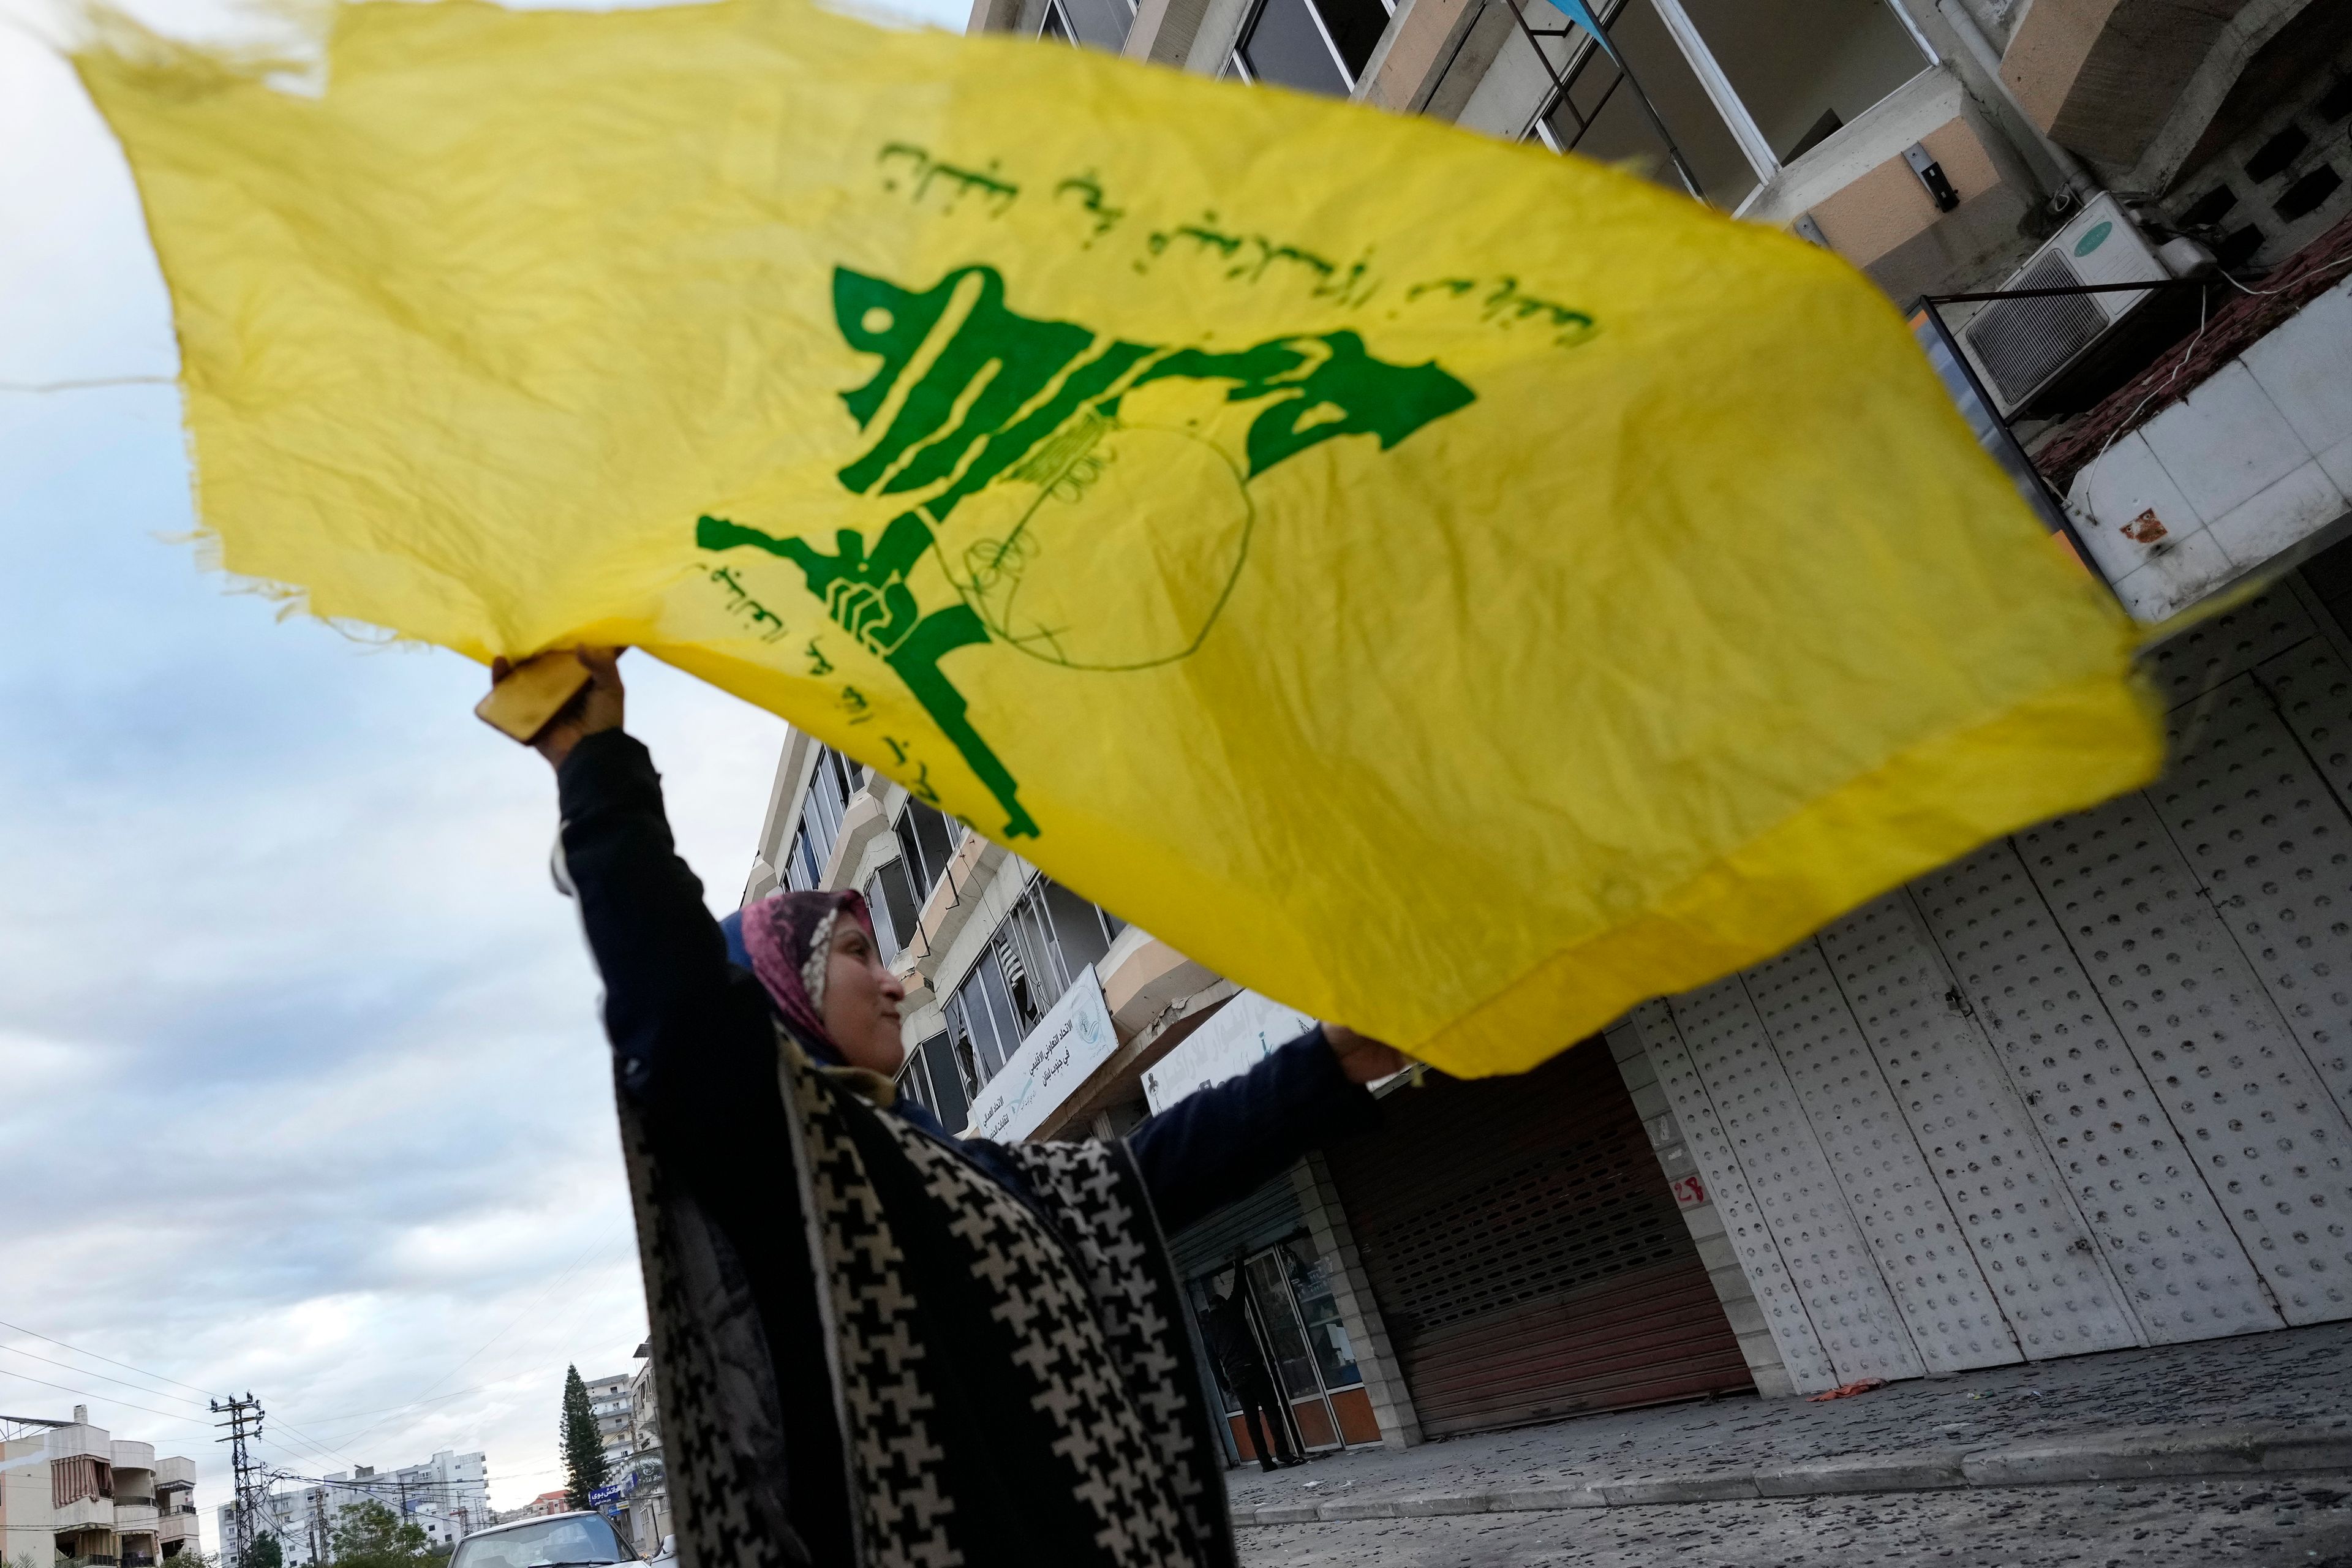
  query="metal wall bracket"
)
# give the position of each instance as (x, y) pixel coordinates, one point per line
(1931, 174)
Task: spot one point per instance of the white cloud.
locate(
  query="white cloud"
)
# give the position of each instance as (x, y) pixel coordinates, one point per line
(303, 1087)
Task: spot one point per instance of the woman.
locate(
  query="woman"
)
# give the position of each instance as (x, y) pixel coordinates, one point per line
(878, 1344)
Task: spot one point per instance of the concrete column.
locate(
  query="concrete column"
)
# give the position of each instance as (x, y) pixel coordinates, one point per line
(1704, 1220)
(1352, 1288)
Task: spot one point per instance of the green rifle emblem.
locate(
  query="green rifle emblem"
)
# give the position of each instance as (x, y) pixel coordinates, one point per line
(1049, 444)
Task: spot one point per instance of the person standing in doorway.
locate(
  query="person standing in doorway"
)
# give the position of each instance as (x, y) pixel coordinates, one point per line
(1224, 1325)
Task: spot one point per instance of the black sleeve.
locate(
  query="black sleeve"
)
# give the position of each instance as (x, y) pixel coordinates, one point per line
(673, 1004)
(1219, 1143)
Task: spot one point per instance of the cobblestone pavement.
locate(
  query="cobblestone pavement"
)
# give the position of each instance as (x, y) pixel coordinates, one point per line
(2148, 1525)
(2296, 1376)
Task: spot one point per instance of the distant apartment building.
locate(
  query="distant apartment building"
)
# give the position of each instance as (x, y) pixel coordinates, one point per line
(72, 1493)
(644, 1485)
(2087, 1087)
(447, 1497)
(609, 1398)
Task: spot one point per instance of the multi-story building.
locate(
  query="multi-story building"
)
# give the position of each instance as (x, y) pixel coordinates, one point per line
(2088, 1086)
(447, 1497)
(644, 1485)
(70, 1492)
(609, 1398)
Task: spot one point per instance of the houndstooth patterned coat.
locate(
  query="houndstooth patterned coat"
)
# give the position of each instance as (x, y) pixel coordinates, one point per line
(928, 1370)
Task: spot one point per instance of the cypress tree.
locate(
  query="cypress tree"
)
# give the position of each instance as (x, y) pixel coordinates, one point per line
(583, 1448)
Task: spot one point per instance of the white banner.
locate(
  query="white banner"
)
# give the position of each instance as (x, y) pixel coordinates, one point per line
(1070, 1041)
(1237, 1036)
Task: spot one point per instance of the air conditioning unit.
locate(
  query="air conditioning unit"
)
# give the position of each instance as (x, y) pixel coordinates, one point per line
(2020, 346)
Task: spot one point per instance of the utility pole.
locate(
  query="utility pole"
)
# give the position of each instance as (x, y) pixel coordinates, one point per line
(317, 1525)
(244, 1425)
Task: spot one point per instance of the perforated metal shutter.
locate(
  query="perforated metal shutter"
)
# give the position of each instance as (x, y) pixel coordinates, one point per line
(1525, 1252)
(2086, 1088)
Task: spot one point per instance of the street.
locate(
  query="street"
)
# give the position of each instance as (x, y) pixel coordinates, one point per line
(2185, 1525)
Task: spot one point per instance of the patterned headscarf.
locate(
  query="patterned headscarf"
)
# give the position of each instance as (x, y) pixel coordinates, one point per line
(790, 939)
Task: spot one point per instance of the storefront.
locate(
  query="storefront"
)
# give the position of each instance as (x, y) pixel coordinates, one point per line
(1264, 1246)
(1526, 1251)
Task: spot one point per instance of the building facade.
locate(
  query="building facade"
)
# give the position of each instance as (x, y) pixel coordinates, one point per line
(609, 1398)
(2087, 1087)
(447, 1496)
(72, 1493)
(643, 1484)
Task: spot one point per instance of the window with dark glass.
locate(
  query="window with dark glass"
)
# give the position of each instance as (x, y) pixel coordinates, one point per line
(1803, 68)
(927, 838)
(1315, 46)
(1599, 115)
(831, 786)
(1091, 24)
(890, 896)
(949, 1106)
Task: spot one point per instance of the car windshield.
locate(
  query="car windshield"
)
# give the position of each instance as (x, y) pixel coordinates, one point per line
(584, 1538)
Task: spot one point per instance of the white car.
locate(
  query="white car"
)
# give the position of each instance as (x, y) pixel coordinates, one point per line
(557, 1541)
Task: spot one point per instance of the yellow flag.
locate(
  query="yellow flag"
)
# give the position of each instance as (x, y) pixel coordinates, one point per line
(1456, 590)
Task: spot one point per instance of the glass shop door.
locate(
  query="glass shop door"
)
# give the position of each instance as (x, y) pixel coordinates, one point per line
(1308, 1349)
(1207, 1291)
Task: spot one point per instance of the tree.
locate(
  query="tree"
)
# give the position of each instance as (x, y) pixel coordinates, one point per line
(265, 1554)
(584, 1446)
(373, 1536)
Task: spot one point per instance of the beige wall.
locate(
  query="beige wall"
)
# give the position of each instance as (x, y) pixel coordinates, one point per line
(2101, 76)
(1887, 206)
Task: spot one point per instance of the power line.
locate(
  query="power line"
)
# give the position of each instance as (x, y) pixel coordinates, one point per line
(309, 1441)
(101, 1377)
(601, 1241)
(109, 1361)
(436, 1399)
(108, 1398)
(87, 383)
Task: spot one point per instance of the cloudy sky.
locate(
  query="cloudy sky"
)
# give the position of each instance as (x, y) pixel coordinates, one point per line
(301, 1088)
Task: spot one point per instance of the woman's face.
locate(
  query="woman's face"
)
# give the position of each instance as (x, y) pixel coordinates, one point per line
(861, 1002)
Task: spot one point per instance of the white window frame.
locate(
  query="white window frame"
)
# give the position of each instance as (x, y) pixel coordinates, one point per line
(1239, 68)
(1720, 94)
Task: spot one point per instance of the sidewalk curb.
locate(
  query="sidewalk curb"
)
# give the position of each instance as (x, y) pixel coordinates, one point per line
(2127, 1455)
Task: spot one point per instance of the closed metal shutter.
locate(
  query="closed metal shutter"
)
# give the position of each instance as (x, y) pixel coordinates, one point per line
(1267, 1215)
(1525, 1252)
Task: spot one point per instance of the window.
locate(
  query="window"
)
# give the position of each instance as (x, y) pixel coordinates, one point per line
(1801, 68)
(1740, 89)
(1092, 24)
(1599, 112)
(926, 839)
(890, 896)
(1050, 936)
(951, 1106)
(929, 1076)
(835, 780)
(1316, 45)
